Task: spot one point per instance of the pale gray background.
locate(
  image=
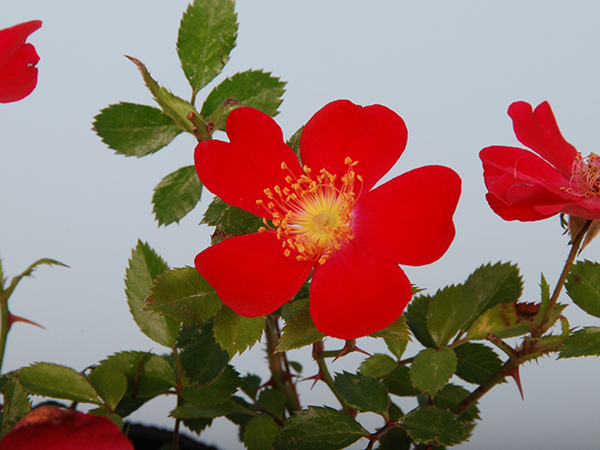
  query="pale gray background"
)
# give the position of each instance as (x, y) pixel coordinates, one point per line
(449, 68)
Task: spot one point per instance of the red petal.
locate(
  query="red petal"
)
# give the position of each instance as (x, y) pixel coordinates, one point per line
(588, 208)
(18, 74)
(539, 131)
(251, 274)
(53, 428)
(522, 211)
(375, 136)
(408, 220)
(355, 294)
(240, 171)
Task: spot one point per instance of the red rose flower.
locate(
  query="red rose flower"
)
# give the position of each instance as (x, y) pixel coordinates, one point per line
(53, 428)
(18, 74)
(325, 217)
(524, 186)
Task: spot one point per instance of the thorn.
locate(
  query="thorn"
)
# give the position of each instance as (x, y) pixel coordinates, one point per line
(350, 347)
(514, 372)
(12, 319)
(316, 378)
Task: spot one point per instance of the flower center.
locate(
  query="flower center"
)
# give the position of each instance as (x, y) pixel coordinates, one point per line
(312, 216)
(586, 175)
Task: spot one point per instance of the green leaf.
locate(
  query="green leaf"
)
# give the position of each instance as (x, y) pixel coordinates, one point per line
(377, 365)
(362, 392)
(395, 439)
(545, 303)
(16, 405)
(235, 333)
(260, 432)
(27, 273)
(449, 310)
(109, 382)
(294, 143)
(272, 401)
(253, 88)
(174, 107)
(214, 212)
(476, 363)
(52, 380)
(504, 320)
(398, 382)
(217, 392)
(432, 369)
(396, 346)
(319, 428)
(397, 330)
(234, 222)
(251, 385)
(135, 130)
(434, 425)
(299, 329)
(583, 286)
(176, 195)
(451, 396)
(144, 266)
(206, 37)
(416, 316)
(201, 358)
(183, 295)
(585, 342)
(189, 411)
(500, 283)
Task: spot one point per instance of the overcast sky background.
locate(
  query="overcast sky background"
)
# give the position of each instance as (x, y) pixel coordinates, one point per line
(449, 68)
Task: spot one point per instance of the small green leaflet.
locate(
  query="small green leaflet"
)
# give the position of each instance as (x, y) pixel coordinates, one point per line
(176, 195)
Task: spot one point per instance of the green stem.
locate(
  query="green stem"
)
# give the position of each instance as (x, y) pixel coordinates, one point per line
(4, 326)
(178, 388)
(326, 376)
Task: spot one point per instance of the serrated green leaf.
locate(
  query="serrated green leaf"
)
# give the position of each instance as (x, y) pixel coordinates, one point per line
(398, 382)
(504, 320)
(183, 295)
(500, 283)
(583, 286)
(395, 439)
(217, 392)
(109, 382)
(135, 130)
(396, 346)
(234, 222)
(432, 369)
(299, 329)
(201, 358)
(214, 212)
(319, 428)
(6, 293)
(545, 294)
(362, 392)
(294, 143)
(377, 365)
(16, 405)
(251, 385)
(434, 425)
(260, 432)
(585, 342)
(397, 330)
(105, 412)
(416, 317)
(273, 401)
(144, 266)
(175, 107)
(235, 333)
(449, 310)
(206, 37)
(451, 396)
(189, 411)
(176, 195)
(253, 88)
(52, 380)
(476, 363)
(197, 425)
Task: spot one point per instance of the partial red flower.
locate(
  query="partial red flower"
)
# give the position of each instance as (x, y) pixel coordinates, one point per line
(524, 186)
(53, 428)
(325, 217)
(18, 73)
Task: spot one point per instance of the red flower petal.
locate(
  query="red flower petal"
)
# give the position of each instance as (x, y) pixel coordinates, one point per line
(240, 171)
(355, 294)
(539, 131)
(53, 428)
(525, 211)
(408, 220)
(375, 136)
(18, 74)
(251, 274)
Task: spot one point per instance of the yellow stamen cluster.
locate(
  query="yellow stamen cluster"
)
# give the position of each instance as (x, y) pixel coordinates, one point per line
(312, 216)
(586, 176)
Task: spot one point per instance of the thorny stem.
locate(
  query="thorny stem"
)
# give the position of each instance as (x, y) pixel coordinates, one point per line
(326, 376)
(277, 363)
(178, 388)
(4, 326)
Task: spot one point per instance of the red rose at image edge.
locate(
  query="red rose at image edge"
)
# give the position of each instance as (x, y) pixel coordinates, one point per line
(326, 218)
(53, 428)
(18, 71)
(552, 178)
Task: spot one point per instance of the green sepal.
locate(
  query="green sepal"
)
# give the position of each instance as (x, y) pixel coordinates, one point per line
(583, 286)
(377, 365)
(55, 381)
(584, 342)
(135, 130)
(319, 428)
(144, 266)
(260, 432)
(434, 426)
(432, 369)
(176, 195)
(449, 310)
(109, 382)
(299, 329)
(184, 296)
(207, 35)
(476, 363)
(16, 405)
(217, 392)
(363, 392)
(201, 358)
